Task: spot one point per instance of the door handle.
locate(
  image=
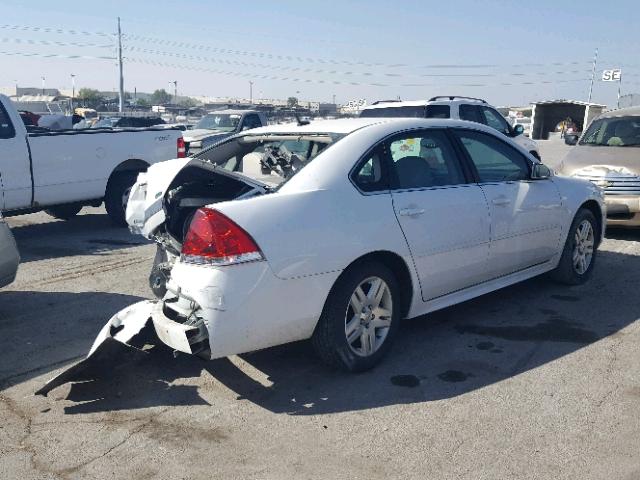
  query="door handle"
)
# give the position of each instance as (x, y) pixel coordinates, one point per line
(410, 212)
(501, 201)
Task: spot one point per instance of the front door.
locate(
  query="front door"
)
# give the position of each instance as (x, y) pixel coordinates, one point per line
(14, 165)
(445, 219)
(525, 214)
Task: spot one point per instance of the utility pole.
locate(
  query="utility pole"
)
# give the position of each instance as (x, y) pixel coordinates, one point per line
(593, 74)
(175, 91)
(334, 98)
(73, 90)
(42, 86)
(619, 88)
(16, 82)
(121, 92)
(250, 92)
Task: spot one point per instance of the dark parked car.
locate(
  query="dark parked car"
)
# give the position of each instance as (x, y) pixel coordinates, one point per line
(128, 122)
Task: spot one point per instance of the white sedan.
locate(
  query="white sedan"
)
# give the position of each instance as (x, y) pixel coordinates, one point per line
(337, 230)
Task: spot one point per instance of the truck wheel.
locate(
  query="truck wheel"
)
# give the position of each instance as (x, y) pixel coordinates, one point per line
(360, 318)
(64, 212)
(115, 200)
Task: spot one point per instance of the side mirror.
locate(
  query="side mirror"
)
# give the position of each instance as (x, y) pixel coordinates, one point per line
(518, 130)
(540, 172)
(570, 138)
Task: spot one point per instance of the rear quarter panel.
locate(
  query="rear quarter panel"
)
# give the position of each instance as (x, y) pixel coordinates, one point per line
(318, 231)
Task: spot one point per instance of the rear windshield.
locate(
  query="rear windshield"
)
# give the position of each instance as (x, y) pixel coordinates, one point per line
(613, 132)
(270, 159)
(394, 112)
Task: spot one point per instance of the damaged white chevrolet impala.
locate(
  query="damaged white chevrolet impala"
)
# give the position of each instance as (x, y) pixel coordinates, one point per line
(337, 230)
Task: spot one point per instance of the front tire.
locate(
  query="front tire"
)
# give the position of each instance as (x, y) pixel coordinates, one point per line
(64, 212)
(360, 318)
(579, 253)
(115, 199)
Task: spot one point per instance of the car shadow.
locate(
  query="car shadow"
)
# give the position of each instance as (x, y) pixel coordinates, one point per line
(88, 233)
(41, 331)
(439, 356)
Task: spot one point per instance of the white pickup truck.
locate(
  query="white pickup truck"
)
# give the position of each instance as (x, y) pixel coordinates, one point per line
(61, 171)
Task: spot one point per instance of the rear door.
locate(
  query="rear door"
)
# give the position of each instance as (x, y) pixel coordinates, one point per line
(525, 214)
(444, 217)
(15, 171)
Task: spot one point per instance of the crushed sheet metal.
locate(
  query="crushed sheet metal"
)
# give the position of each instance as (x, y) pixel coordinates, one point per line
(107, 347)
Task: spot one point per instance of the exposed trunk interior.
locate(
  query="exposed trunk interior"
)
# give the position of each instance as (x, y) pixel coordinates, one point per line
(199, 183)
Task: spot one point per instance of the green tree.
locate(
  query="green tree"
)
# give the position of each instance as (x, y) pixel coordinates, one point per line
(160, 97)
(90, 98)
(188, 102)
(142, 102)
(292, 102)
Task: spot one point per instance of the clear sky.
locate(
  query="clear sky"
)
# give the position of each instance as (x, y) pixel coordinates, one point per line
(509, 52)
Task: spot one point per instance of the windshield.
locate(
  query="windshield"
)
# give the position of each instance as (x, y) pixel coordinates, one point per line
(227, 122)
(270, 159)
(613, 132)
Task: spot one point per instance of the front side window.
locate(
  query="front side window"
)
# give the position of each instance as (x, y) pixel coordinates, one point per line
(425, 159)
(6, 127)
(494, 160)
(613, 132)
(495, 120)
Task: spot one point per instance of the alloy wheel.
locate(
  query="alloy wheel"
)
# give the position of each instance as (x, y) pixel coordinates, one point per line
(368, 316)
(583, 247)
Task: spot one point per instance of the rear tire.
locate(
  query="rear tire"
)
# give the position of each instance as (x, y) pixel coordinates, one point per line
(356, 339)
(579, 254)
(64, 212)
(114, 199)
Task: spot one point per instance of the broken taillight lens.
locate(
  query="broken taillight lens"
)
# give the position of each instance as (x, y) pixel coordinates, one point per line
(182, 148)
(214, 239)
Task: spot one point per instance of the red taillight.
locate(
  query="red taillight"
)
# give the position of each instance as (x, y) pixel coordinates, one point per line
(182, 149)
(215, 239)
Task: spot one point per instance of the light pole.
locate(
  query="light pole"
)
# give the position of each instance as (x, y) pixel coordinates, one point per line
(16, 82)
(42, 86)
(175, 91)
(250, 92)
(73, 90)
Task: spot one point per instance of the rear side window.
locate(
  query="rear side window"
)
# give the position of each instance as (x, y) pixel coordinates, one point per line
(438, 111)
(394, 112)
(471, 113)
(370, 175)
(6, 127)
(424, 159)
(495, 160)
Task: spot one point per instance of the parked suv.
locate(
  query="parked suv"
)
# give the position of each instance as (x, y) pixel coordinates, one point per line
(456, 107)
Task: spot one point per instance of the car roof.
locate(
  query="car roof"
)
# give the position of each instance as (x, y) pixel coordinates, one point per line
(231, 111)
(349, 125)
(621, 112)
(440, 100)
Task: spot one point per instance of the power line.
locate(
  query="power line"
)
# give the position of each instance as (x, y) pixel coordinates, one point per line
(56, 55)
(337, 82)
(53, 43)
(54, 30)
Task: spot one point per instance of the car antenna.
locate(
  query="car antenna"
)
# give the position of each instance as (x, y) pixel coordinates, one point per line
(300, 121)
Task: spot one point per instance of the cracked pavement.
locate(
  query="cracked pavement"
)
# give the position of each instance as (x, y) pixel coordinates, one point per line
(535, 381)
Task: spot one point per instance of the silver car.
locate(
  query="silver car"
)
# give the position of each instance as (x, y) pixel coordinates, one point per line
(608, 154)
(9, 255)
